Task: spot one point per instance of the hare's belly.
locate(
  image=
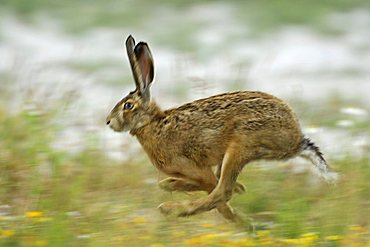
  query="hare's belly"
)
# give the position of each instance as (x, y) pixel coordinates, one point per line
(179, 160)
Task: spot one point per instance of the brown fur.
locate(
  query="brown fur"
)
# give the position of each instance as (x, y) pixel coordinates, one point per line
(199, 133)
(227, 130)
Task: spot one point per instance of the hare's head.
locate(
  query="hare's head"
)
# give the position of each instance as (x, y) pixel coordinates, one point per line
(131, 111)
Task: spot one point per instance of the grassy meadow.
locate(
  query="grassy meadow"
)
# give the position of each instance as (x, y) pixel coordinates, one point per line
(50, 196)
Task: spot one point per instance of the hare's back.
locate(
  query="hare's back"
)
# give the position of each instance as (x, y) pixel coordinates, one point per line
(249, 109)
(258, 122)
(254, 119)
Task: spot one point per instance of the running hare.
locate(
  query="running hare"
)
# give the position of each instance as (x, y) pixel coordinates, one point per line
(227, 131)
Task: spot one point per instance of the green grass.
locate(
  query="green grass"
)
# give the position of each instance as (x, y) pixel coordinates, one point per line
(299, 205)
(328, 114)
(170, 23)
(267, 14)
(59, 199)
(89, 200)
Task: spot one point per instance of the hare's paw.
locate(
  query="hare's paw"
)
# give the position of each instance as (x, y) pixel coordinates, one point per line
(178, 184)
(167, 184)
(239, 188)
(198, 206)
(168, 208)
(229, 213)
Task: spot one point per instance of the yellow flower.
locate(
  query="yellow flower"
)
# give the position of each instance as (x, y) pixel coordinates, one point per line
(208, 237)
(41, 243)
(139, 220)
(193, 241)
(247, 243)
(263, 234)
(308, 239)
(290, 241)
(43, 219)
(7, 233)
(207, 225)
(357, 228)
(144, 237)
(333, 238)
(34, 214)
(156, 245)
(202, 239)
(177, 233)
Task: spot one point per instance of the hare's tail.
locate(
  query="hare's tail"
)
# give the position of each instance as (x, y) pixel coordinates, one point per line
(312, 153)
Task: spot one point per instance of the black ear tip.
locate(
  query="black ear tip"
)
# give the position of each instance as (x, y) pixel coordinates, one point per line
(140, 47)
(130, 39)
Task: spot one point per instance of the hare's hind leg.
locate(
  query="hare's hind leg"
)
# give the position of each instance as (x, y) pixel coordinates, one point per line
(224, 209)
(186, 184)
(232, 164)
(228, 212)
(238, 188)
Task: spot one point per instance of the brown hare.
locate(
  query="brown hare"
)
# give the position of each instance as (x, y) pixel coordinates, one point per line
(226, 131)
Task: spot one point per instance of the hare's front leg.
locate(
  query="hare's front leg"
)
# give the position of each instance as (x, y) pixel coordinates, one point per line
(179, 184)
(232, 164)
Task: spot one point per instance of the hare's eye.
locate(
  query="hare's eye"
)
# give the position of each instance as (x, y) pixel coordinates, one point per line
(128, 106)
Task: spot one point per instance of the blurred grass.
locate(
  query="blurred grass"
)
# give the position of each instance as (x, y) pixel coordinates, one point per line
(329, 114)
(268, 14)
(178, 25)
(58, 199)
(263, 13)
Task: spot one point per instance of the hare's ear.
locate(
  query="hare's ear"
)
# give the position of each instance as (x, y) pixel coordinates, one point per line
(141, 64)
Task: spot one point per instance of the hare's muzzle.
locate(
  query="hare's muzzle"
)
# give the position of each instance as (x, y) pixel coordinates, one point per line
(108, 119)
(110, 122)
(114, 124)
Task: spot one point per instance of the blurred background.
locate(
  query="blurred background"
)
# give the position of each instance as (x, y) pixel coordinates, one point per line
(68, 180)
